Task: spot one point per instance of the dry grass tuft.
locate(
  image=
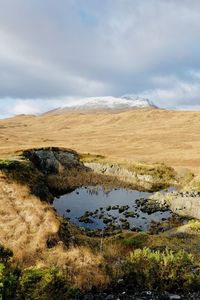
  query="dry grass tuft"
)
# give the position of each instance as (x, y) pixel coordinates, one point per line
(84, 267)
(25, 222)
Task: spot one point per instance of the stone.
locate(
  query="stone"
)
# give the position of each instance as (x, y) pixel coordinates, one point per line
(123, 220)
(129, 214)
(107, 220)
(85, 219)
(115, 207)
(54, 160)
(125, 225)
(108, 208)
(123, 208)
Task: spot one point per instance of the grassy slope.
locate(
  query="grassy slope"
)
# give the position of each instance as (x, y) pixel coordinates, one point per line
(135, 135)
(26, 226)
(147, 135)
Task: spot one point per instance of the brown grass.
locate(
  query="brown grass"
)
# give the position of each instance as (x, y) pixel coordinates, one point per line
(25, 222)
(74, 178)
(135, 135)
(85, 268)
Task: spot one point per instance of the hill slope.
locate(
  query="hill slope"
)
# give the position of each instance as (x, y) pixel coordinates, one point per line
(151, 135)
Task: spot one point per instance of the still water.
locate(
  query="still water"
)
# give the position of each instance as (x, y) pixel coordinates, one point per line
(118, 205)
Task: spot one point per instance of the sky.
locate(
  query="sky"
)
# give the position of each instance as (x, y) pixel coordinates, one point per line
(52, 52)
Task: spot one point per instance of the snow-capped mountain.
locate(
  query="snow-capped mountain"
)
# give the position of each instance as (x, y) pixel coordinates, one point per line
(107, 103)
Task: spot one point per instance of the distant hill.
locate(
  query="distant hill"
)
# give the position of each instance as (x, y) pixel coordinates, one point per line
(106, 103)
(146, 135)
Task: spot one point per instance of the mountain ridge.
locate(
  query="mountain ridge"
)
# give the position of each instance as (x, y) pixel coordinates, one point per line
(105, 103)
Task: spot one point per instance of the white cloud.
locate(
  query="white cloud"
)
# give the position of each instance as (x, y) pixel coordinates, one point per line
(174, 92)
(25, 107)
(30, 106)
(57, 49)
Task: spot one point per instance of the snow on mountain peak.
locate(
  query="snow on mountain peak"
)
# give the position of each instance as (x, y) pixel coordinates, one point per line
(107, 103)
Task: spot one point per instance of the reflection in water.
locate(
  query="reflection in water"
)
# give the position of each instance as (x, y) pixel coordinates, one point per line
(94, 190)
(95, 208)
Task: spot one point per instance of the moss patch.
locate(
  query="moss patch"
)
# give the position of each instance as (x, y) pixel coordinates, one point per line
(89, 157)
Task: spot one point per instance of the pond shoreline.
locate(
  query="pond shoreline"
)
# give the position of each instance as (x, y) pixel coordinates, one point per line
(110, 211)
(80, 254)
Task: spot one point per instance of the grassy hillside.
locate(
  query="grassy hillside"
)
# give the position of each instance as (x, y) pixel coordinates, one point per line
(134, 135)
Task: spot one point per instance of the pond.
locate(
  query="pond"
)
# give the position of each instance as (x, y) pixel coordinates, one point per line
(94, 208)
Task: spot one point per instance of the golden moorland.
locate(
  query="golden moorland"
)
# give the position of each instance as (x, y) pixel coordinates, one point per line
(145, 135)
(49, 247)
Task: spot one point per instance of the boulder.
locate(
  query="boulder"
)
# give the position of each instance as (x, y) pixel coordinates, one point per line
(54, 160)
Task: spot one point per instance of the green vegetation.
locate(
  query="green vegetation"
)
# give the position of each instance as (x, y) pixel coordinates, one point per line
(89, 157)
(162, 175)
(165, 270)
(5, 163)
(194, 225)
(44, 284)
(136, 242)
(32, 283)
(139, 257)
(159, 171)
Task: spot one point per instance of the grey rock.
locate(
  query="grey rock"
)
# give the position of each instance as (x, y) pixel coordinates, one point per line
(54, 160)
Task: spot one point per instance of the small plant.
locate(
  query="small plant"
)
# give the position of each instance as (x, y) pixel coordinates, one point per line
(5, 163)
(159, 172)
(89, 157)
(136, 242)
(43, 284)
(194, 225)
(165, 270)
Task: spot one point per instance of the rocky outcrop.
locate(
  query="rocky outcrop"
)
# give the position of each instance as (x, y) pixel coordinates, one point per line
(54, 160)
(116, 170)
(186, 204)
(60, 168)
(146, 181)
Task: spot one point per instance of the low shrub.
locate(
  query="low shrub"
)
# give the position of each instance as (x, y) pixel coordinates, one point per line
(44, 284)
(32, 283)
(137, 241)
(158, 270)
(194, 225)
